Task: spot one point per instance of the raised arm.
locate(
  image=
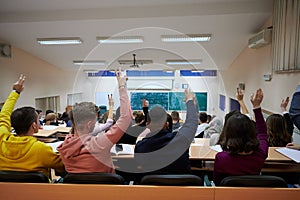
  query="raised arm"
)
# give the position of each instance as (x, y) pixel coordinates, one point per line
(286, 115)
(118, 129)
(109, 122)
(9, 105)
(240, 98)
(261, 127)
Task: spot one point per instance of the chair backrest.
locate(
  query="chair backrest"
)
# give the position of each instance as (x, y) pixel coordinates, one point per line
(94, 178)
(172, 180)
(254, 181)
(23, 177)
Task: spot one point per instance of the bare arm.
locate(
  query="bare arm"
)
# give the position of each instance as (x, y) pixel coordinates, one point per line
(240, 98)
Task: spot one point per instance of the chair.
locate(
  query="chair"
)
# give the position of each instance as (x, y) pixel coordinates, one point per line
(172, 180)
(94, 178)
(23, 177)
(254, 181)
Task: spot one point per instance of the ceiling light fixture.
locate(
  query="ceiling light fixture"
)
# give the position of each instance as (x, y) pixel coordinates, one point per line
(186, 38)
(89, 63)
(120, 40)
(59, 41)
(183, 62)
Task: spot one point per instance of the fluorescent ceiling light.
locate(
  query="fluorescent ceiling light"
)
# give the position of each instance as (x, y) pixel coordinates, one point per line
(89, 63)
(59, 41)
(139, 62)
(183, 62)
(186, 38)
(120, 40)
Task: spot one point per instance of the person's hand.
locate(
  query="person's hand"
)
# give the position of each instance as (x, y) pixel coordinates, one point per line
(239, 94)
(18, 86)
(284, 104)
(110, 101)
(145, 103)
(188, 94)
(293, 146)
(122, 79)
(257, 98)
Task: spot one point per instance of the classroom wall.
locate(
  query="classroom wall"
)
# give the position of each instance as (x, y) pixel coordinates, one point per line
(249, 67)
(43, 79)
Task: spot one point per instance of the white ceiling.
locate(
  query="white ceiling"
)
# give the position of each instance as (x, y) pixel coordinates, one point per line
(231, 23)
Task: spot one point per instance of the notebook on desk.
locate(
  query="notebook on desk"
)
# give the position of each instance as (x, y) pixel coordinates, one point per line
(290, 153)
(122, 149)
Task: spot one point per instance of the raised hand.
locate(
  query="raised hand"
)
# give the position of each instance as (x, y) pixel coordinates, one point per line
(122, 79)
(239, 94)
(257, 98)
(110, 101)
(18, 86)
(188, 94)
(284, 103)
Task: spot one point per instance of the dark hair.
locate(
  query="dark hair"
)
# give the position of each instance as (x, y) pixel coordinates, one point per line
(203, 117)
(139, 117)
(239, 135)
(277, 131)
(175, 115)
(49, 111)
(227, 116)
(170, 121)
(38, 111)
(22, 119)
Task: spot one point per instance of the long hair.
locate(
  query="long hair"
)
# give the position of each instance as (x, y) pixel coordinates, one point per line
(277, 131)
(239, 135)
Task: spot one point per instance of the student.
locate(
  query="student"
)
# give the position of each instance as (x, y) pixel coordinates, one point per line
(51, 119)
(83, 152)
(40, 114)
(202, 125)
(295, 108)
(214, 130)
(163, 151)
(137, 127)
(280, 128)
(244, 148)
(23, 152)
(176, 120)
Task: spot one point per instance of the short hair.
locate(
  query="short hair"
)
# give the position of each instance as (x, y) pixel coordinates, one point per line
(22, 119)
(175, 115)
(203, 117)
(81, 113)
(277, 131)
(239, 135)
(49, 111)
(38, 111)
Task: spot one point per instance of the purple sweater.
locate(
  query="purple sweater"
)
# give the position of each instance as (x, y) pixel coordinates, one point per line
(233, 165)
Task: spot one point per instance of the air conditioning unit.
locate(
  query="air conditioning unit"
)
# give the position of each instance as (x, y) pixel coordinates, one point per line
(261, 39)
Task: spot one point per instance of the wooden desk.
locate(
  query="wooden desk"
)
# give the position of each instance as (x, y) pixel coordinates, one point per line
(48, 133)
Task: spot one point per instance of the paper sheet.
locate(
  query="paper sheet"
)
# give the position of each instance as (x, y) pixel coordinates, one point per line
(291, 153)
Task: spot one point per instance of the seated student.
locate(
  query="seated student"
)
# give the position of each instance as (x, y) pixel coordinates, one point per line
(83, 152)
(280, 128)
(51, 119)
(202, 125)
(163, 151)
(176, 120)
(137, 127)
(23, 152)
(244, 148)
(295, 108)
(40, 114)
(214, 130)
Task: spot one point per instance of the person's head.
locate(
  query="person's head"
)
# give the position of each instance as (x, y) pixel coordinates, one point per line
(49, 111)
(175, 116)
(84, 117)
(159, 119)
(239, 135)
(139, 117)
(40, 113)
(202, 117)
(277, 131)
(209, 118)
(51, 117)
(25, 121)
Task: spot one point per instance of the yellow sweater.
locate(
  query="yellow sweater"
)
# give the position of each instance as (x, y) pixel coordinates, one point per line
(23, 153)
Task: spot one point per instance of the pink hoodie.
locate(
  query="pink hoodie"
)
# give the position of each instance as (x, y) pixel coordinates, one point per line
(90, 153)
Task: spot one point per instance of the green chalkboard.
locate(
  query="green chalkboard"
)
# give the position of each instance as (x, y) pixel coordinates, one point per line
(154, 98)
(176, 101)
(168, 100)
